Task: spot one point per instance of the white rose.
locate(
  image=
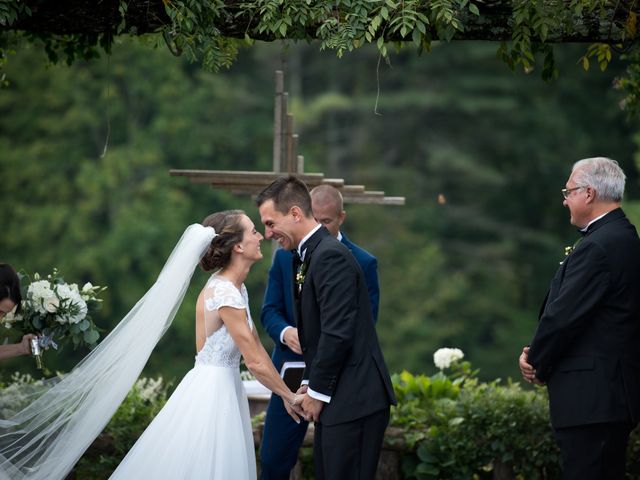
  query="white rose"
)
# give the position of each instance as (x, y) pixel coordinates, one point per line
(444, 357)
(38, 292)
(51, 304)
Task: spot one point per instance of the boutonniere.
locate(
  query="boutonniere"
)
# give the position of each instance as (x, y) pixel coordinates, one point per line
(300, 275)
(568, 250)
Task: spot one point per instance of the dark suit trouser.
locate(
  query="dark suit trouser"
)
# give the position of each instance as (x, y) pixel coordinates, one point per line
(349, 451)
(281, 440)
(594, 452)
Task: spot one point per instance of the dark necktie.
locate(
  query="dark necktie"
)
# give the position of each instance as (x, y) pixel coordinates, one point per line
(297, 261)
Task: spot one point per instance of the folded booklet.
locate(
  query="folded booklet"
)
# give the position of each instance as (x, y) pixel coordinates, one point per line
(291, 373)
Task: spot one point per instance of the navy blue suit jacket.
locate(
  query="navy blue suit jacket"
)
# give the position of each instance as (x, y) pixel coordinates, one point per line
(277, 308)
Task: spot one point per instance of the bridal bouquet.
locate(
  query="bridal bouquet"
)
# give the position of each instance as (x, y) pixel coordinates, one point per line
(57, 312)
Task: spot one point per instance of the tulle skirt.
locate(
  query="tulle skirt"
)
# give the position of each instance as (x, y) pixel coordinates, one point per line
(202, 433)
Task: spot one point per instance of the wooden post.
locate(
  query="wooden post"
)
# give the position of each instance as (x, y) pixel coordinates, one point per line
(289, 143)
(277, 123)
(294, 153)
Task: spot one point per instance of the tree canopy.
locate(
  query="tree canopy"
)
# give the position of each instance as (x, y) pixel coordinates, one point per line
(211, 31)
(467, 273)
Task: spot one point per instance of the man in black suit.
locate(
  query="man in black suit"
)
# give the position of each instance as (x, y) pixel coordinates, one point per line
(346, 383)
(585, 348)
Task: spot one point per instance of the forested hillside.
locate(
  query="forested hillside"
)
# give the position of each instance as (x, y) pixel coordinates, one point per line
(85, 153)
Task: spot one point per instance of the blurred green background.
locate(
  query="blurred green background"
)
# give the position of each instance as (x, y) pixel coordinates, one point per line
(469, 273)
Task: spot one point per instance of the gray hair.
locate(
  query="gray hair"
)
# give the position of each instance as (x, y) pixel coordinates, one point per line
(602, 174)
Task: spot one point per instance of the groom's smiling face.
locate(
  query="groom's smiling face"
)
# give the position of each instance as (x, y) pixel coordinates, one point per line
(278, 226)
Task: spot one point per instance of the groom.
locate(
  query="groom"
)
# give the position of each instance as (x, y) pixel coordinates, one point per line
(347, 387)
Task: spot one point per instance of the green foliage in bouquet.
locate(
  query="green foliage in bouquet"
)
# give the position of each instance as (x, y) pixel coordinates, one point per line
(57, 311)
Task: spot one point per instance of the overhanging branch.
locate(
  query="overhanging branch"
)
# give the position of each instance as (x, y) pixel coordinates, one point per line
(149, 16)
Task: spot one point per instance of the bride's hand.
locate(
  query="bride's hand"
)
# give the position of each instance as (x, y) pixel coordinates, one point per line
(293, 407)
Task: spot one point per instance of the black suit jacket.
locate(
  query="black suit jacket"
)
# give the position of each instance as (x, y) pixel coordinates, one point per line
(337, 335)
(587, 343)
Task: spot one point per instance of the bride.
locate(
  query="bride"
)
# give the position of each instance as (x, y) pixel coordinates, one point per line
(204, 430)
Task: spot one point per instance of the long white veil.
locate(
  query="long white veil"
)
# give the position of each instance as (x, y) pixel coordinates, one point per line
(47, 438)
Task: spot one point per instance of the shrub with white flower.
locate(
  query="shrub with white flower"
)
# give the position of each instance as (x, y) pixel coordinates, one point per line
(444, 357)
(57, 311)
(149, 388)
(18, 393)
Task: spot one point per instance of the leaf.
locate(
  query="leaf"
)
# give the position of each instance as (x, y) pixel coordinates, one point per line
(474, 9)
(416, 37)
(585, 63)
(91, 336)
(455, 421)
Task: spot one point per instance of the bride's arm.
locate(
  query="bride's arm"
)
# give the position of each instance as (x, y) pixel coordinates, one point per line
(255, 356)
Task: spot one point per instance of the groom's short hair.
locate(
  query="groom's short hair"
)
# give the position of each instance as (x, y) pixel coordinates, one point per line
(287, 192)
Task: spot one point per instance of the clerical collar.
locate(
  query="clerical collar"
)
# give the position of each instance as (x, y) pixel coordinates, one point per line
(302, 248)
(339, 237)
(585, 229)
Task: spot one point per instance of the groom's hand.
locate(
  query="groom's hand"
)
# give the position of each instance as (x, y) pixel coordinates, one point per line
(312, 408)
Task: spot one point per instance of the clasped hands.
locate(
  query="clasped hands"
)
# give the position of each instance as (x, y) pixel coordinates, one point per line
(527, 370)
(302, 405)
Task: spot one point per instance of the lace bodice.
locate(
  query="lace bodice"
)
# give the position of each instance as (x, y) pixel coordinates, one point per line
(219, 349)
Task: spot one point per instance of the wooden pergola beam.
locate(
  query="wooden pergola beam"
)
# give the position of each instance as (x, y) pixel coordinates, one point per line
(286, 161)
(251, 179)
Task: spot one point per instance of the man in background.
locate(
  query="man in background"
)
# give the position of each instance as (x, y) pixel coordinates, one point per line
(585, 349)
(282, 437)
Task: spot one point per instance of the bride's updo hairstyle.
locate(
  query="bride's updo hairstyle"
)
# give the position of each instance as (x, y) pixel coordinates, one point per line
(229, 232)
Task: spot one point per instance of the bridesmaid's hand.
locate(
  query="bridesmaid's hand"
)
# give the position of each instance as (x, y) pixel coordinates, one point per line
(25, 344)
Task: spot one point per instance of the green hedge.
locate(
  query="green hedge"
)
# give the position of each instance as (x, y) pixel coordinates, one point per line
(454, 427)
(457, 427)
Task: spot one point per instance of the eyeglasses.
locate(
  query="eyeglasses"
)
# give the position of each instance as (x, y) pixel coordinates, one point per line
(566, 192)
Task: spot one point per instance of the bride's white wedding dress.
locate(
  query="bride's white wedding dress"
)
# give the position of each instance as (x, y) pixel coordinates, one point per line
(204, 430)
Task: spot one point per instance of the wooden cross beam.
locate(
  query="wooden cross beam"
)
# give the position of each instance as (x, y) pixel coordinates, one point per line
(285, 161)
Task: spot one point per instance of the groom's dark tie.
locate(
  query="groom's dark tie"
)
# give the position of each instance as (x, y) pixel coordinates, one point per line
(297, 261)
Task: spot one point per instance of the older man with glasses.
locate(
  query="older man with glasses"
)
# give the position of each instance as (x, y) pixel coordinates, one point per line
(585, 347)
